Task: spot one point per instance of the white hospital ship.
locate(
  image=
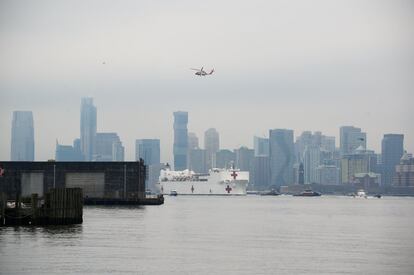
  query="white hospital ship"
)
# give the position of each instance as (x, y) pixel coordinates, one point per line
(216, 182)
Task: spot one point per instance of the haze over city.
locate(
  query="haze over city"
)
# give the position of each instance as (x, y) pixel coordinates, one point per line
(287, 64)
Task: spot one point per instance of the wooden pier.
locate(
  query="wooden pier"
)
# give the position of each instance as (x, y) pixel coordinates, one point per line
(59, 206)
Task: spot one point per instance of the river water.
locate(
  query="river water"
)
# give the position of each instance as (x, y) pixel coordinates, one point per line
(223, 235)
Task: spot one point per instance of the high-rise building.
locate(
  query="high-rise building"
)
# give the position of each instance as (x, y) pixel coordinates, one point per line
(392, 149)
(404, 171)
(68, 152)
(362, 161)
(192, 141)
(198, 160)
(180, 140)
(261, 146)
(351, 138)
(225, 158)
(328, 175)
(281, 153)
(212, 146)
(149, 151)
(88, 128)
(328, 144)
(311, 161)
(261, 173)
(22, 139)
(244, 158)
(108, 147)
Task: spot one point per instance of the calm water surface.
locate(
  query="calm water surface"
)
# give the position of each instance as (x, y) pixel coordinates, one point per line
(223, 235)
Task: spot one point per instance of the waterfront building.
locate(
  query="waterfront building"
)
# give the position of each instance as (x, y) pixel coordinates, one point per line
(198, 160)
(281, 153)
(404, 171)
(88, 128)
(22, 137)
(244, 158)
(311, 161)
(362, 161)
(392, 149)
(366, 180)
(328, 175)
(192, 141)
(109, 180)
(212, 146)
(225, 158)
(180, 149)
(261, 146)
(108, 147)
(260, 177)
(68, 152)
(351, 138)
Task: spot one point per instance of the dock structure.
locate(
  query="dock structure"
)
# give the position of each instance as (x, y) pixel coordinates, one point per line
(102, 183)
(60, 206)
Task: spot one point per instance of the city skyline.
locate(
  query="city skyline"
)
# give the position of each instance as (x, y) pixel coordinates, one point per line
(297, 65)
(166, 158)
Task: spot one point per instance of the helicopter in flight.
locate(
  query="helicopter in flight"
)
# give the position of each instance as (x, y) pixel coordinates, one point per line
(201, 72)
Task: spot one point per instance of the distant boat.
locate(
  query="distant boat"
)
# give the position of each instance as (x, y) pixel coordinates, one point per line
(308, 193)
(173, 193)
(361, 194)
(270, 193)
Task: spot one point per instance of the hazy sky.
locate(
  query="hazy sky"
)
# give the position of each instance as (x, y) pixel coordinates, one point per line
(302, 65)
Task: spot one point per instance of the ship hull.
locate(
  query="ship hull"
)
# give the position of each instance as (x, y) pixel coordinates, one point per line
(204, 188)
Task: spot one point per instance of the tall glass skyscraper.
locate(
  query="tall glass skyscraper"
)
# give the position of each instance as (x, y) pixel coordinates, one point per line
(212, 146)
(351, 138)
(148, 150)
(88, 128)
(281, 154)
(180, 140)
(392, 149)
(22, 140)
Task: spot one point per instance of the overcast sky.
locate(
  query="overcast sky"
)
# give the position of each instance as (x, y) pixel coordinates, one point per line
(302, 65)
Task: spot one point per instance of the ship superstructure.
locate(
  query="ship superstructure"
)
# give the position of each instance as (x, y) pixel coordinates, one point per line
(215, 182)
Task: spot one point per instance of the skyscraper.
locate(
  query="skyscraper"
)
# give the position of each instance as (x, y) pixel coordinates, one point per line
(392, 149)
(149, 151)
(180, 140)
(22, 140)
(68, 152)
(88, 128)
(261, 146)
(192, 141)
(108, 147)
(212, 146)
(311, 161)
(351, 138)
(198, 160)
(281, 155)
(261, 173)
(225, 158)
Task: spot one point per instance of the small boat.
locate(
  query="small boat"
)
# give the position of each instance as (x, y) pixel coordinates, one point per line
(272, 192)
(308, 193)
(361, 194)
(173, 193)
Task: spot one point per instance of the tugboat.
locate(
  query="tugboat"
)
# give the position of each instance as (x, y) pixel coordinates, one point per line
(308, 193)
(272, 192)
